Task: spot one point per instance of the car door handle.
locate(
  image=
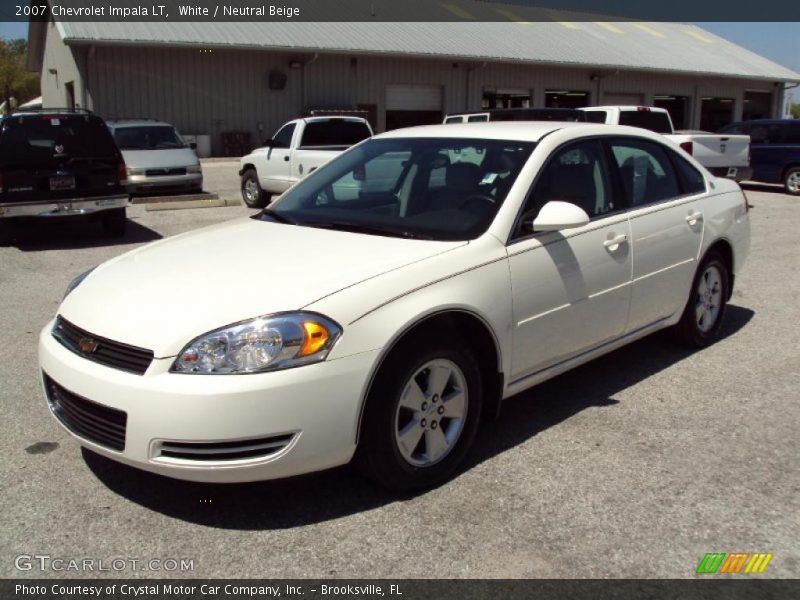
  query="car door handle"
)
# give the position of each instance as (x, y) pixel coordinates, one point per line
(613, 243)
(694, 218)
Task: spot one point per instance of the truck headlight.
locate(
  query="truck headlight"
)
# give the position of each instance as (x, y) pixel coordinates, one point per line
(77, 281)
(263, 344)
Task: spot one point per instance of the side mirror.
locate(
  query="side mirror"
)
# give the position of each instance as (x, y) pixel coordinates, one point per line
(557, 215)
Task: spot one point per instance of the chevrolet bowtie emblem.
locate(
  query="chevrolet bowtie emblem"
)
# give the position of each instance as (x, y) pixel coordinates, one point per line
(87, 345)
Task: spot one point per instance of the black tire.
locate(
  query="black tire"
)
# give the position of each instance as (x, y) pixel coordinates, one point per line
(114, 222)
(378, 456)
(791, 181)
(692, 330)
(254, 197)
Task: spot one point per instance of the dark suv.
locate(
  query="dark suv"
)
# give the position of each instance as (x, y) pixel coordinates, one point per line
(775, 150)
(60, 162)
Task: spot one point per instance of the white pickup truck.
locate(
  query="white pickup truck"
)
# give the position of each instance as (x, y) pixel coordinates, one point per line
(724, 155)
(299, 147)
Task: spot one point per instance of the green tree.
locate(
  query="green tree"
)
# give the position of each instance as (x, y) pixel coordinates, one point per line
(794, 110)
(15, 80)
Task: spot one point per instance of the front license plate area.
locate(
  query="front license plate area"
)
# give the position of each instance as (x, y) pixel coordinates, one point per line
(62, 182)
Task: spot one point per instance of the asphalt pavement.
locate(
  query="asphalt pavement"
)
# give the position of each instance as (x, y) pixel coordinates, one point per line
(634, 465)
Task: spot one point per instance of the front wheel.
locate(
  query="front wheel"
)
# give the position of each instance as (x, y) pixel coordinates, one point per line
(252, 194)
(791, 181)
(702, 318)
(421, 417)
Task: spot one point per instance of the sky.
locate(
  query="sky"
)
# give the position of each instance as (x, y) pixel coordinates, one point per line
(779, 42)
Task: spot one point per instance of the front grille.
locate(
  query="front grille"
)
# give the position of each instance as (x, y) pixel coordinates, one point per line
(163, 172)
(106, 352)
(95, 422)
(215, 451)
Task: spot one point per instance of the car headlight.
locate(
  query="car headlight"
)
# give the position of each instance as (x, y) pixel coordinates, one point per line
(77, 281)
(263, 344)
(134, 171)
(194, 169)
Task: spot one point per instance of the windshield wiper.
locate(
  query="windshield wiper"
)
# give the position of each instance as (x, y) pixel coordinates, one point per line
(362, 228)
(275, 216)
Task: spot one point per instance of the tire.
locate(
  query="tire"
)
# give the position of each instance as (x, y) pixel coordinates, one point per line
(252, 194)
(114, 222)
(791, 181)
(435, 444)
(702, 318)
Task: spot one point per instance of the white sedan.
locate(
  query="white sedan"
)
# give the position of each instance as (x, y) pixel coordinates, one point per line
(476, 261)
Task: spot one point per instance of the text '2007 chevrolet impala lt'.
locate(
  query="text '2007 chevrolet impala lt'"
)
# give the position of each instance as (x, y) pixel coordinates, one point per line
(386, 303)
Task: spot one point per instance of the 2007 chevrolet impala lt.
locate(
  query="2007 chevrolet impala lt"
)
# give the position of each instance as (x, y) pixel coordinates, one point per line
(386, 303)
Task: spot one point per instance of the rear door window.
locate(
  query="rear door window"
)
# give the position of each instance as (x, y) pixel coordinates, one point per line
(645, 170)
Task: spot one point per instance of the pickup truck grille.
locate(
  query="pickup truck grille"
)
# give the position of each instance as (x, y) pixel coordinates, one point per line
(97, 423)
(101, 350)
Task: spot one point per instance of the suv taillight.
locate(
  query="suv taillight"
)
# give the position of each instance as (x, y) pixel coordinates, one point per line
(687, 147)
(122, 173)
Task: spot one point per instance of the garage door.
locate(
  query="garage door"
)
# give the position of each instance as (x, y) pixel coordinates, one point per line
(610, 99)
(414, 97)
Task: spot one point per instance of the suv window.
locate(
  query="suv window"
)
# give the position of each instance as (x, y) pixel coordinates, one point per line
(792, 135)
(645, 171)
(576, 173)
(335, 132)
(283, 139)
(46, 139)
(646, 119)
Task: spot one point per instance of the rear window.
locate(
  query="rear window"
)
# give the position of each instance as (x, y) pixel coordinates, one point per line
(336, 132)
(646, 119)
(43, 139)
(596, 116)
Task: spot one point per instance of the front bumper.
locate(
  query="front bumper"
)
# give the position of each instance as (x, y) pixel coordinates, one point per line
(62, 208)
(145, 183)
(316, 406)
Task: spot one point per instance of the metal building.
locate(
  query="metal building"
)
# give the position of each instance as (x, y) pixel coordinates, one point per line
(212, 78)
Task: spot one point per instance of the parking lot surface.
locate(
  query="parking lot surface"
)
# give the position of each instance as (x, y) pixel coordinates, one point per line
(634, 465)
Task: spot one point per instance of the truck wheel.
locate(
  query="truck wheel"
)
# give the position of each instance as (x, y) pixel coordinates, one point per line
(421, 416)
(252, 194)
(791, 181)
(702, 318)
(114, 222)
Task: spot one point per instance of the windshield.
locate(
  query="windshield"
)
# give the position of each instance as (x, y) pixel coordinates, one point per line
(149, 137)
(427, 188)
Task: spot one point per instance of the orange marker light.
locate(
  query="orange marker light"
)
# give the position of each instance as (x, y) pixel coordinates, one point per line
(316, 337)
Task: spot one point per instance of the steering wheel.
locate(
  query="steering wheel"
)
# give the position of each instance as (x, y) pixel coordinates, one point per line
(476, 197)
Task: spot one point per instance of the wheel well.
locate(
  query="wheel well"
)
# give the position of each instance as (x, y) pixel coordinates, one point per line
(725, 250)
(470, 330)
(787, 167)
(247, 167)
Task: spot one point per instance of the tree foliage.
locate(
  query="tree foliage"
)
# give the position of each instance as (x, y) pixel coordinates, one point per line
(15, 80)
(794, 110)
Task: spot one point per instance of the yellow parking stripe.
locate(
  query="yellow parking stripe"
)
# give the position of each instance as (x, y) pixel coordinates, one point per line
(609, 27)
(698, 36)
(458, 11)
(649, 30)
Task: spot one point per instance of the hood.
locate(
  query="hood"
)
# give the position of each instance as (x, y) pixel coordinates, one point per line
(165, 294)
(159, 159)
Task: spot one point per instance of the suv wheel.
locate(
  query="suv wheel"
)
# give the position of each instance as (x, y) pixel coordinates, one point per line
(791, 181)
(421, 416)
(252, 194)
(114, 222)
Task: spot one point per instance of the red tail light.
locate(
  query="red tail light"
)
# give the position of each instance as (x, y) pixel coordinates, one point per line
(122, 173)
(687, 147)
(359, 173)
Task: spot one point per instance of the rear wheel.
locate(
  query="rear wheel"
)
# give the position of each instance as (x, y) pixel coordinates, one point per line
(702, 318)
(421, 417)
(252, 194)
(114, 222)
(791, 181)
